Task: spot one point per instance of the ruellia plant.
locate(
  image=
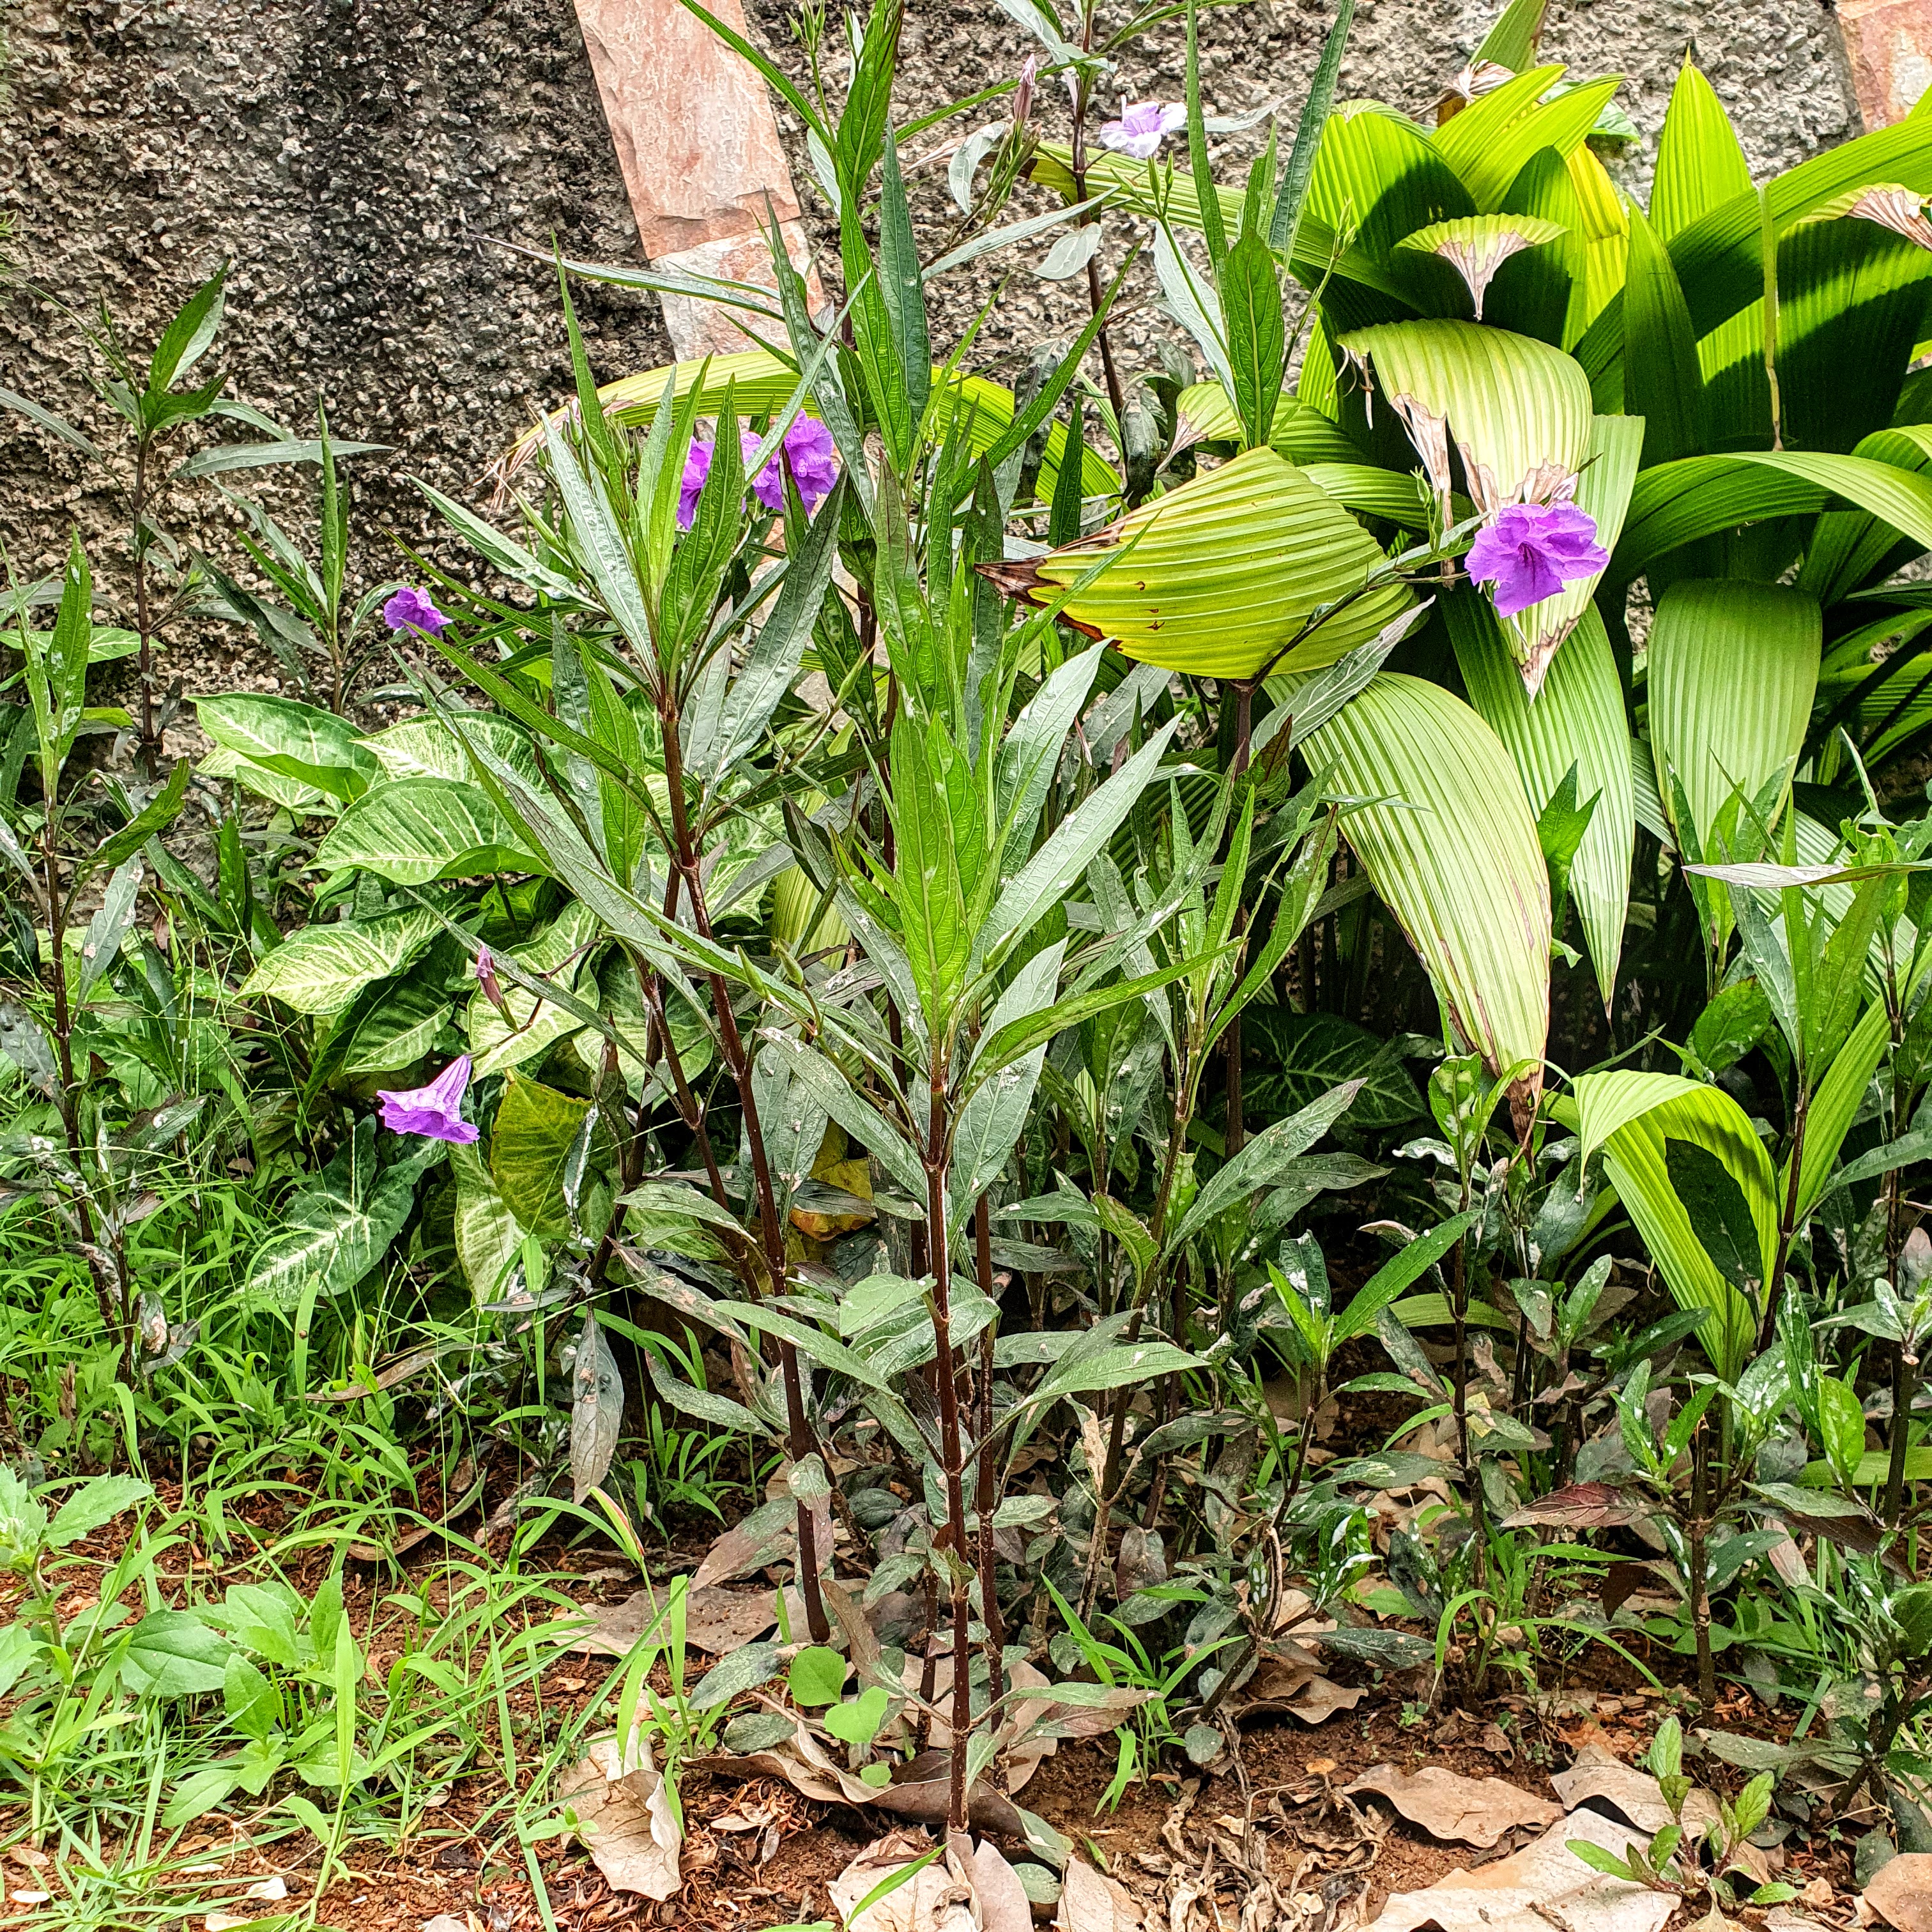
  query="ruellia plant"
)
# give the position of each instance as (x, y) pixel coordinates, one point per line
(1068, 986)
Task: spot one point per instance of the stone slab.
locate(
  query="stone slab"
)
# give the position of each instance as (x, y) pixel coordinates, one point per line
(1888, 43)
(699, 149)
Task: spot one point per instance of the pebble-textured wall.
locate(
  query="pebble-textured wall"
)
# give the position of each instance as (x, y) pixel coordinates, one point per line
(347, 155)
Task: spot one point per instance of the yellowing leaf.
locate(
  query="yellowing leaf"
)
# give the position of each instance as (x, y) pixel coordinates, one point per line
(1222, 573)
(1517, 410)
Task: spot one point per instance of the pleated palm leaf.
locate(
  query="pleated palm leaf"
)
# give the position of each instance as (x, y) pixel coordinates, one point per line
(1220, 577)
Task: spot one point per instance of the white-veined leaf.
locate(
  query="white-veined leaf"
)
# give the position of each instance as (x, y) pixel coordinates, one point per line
(413, 830)
(320, 969)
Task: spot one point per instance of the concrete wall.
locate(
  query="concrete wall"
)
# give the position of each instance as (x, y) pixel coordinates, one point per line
(343, 154)
(347, 154)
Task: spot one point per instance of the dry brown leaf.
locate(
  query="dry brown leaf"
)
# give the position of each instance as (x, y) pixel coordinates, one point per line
(1023, 1756)
(215, 1921)
(739, 1550)
(277, 1887)
(1293, 1686)
(1319, 1697)
(919, 1790)
(625, 1817)
(1581, 1506)
(1090, 1903)
(1543, 1885)
(1471, 1810)
(938, 1899)
(716, 1620)
(1003, 1906)
(1900, 1891)
(1599, 1779)
(719, 1620)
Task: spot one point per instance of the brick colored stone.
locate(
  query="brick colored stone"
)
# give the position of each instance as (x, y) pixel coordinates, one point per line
(699, 147)
(1889, 45)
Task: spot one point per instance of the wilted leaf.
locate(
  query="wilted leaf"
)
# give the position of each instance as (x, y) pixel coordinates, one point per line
(597, 1409)
(1580, 1506)
(632, 1829)
(1469, 1810)
(1003, 1905)
(1900, 1891)
(716, 1621)
(1090, 1903)
(1599, 1780)
(935, 1897)
(1544, 1884)
(768, 1533)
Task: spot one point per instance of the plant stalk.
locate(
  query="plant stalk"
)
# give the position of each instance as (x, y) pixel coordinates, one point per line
(1697, 1534)
(1096, 296)
(116, 1323)
(951, 1452)
(987, 1498)
(149, 751)
(799, 1441)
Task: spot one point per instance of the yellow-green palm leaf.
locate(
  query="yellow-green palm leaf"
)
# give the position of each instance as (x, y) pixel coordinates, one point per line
(1215, 579)
(1454, 853)
(1517, 410)
(1733, 667)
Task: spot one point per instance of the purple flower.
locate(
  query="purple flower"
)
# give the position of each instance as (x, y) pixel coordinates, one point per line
(697, 467)
(434, 1111)
(1142, 127)
(1532, 550)
(808, 446)
(410, 609)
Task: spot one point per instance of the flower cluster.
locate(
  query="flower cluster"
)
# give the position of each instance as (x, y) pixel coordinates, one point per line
(808, 448)
(1532, 550)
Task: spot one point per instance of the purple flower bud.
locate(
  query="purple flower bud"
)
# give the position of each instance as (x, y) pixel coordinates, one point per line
(433, 1111)
(486, 978)
(1532, 550)
(1142, 127)
(410, 609)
